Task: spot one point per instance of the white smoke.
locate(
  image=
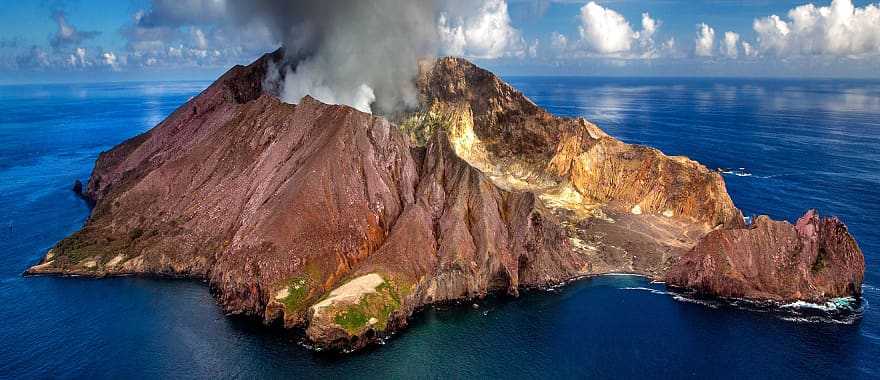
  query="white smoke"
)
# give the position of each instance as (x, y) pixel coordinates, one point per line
(365, 53)
(309, 78)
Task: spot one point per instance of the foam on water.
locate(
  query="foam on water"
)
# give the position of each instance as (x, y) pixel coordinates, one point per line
(649, 290)
(834, 304)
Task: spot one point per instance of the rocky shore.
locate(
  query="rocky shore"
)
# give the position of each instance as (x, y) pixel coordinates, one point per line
(343, 223)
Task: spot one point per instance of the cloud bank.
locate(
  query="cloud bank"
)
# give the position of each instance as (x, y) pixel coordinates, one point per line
(361, 53)
(839, 29)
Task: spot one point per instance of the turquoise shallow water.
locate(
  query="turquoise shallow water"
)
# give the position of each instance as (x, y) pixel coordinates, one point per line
(801, 143)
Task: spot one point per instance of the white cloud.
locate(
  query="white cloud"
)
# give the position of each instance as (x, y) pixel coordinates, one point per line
(839, 29)
(67, 34)
(605, 31)
(558, 41)
(748, 50)
(729, 45)
(451, 37)
(487, 34)
(199, 38)
(109, 59)
(705, 41)
(646, 36)
(533, 48)
(79, 58)
(649, 26)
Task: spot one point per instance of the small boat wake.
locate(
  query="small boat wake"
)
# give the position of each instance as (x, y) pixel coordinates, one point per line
(743, 172)
(847, 310)
(739, 172)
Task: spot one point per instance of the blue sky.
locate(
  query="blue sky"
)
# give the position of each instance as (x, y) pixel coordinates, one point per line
(60, 41)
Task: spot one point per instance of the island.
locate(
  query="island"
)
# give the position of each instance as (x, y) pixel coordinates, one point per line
(343, 224)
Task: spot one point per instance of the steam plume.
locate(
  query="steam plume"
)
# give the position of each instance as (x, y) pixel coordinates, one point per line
(358, 52)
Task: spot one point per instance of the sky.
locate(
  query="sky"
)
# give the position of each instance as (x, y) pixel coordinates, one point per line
(114, 40)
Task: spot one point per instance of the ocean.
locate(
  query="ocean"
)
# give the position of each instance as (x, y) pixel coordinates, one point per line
(785, 146)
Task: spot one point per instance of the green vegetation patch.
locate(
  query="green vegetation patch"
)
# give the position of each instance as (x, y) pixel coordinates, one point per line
(78, 248)
(354, 319)
(297, 294)
(820, 262)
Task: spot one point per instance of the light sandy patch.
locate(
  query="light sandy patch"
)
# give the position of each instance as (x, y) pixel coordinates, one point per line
(115, 261)
(352, 291)
(636, 210)
(43, 265)
(373, 321)
(563, 197)
(668, 213)
(134, 265)
(50, 255)
(282, 294)
(90, 263)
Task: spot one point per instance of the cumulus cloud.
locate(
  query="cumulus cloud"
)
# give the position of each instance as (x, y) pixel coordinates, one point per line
(35, 58)
(729, 45)
(840, 29)
(109, 59)
(533, 48)
(558, 41)
(646, 36)
(705, 41)
(79, 58)
(487, 33)
(67, 34)
(748, 50)
(605, 32)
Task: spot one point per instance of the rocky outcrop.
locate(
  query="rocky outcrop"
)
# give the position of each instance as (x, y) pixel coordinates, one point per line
(343, 223)
(813, 260)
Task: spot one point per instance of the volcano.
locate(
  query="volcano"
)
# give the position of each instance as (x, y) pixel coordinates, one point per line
(341, 223)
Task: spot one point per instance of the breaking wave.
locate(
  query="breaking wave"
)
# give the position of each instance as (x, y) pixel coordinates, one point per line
(834, 304)
(838, 310)
(708, 303)
(649, 290)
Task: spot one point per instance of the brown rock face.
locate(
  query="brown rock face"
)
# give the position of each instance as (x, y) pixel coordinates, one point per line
(340, 222)
(813, 260)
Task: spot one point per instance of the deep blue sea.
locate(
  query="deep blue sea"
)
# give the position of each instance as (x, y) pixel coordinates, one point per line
(801, 144)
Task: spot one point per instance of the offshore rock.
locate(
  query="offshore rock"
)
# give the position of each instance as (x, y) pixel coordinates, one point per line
(329, 219)
(813, 260)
